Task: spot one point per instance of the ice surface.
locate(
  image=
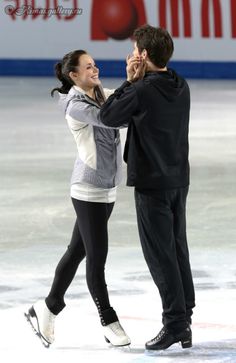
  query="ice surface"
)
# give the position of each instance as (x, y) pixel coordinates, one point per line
(36, 158)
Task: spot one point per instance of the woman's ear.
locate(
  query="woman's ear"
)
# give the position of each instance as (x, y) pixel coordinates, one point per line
(73, 76)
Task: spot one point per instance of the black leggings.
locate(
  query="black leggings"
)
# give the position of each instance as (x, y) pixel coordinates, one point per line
(90, 239)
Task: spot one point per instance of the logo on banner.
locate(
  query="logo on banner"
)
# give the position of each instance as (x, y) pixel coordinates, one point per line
(118, 18)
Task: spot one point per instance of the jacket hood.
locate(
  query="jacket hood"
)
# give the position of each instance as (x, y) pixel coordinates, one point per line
(64, 99)
(168, 83)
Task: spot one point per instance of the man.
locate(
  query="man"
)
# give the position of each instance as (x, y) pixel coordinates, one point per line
(156, 110)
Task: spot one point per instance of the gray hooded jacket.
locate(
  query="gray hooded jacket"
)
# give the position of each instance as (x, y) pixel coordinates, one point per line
(99, 159)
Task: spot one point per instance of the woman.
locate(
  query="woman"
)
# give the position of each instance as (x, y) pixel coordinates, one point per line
(96, 174)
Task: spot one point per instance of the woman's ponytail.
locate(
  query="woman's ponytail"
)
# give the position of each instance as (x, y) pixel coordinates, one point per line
(62, 69)
(66, 84)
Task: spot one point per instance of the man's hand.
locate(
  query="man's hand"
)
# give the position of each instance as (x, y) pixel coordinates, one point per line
(135, 68)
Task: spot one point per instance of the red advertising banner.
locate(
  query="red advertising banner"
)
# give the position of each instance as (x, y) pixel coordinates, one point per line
(117, 19)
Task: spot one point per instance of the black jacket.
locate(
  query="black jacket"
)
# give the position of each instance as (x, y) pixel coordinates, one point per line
(156, 110)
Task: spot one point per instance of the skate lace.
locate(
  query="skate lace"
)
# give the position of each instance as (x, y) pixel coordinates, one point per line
(117, 328)
(50, 322)
(159, 335)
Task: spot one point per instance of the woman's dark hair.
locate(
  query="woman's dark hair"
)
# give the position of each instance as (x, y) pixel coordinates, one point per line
(62, 69)
(157, 42)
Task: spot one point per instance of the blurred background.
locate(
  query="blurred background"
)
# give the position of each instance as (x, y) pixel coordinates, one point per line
(36, 33)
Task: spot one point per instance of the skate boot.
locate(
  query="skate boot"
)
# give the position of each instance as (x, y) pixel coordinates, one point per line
(165, 339)
(42, 321)
(115, 334)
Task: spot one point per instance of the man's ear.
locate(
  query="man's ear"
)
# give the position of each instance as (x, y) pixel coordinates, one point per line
(144, 54)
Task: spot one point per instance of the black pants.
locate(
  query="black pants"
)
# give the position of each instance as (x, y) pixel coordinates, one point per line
(90, 239)
(162, 230)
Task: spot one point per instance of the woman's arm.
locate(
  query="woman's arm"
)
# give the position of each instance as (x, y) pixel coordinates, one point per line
(87, 113)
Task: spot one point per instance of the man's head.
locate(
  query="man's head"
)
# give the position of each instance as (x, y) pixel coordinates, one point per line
(154, 44)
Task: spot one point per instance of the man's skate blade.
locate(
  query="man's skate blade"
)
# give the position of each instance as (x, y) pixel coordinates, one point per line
(45, 343)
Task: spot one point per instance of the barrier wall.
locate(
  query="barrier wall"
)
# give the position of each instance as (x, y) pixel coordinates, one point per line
(36, 33)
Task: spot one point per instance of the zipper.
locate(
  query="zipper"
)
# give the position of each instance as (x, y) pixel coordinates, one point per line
(117, 140)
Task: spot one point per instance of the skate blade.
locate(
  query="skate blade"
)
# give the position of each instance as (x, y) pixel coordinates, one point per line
(124, 347)
(44, 342)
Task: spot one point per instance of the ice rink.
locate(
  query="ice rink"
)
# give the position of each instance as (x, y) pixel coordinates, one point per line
(37, 154)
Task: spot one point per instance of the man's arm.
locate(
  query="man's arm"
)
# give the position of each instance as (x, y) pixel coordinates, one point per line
(118, 110)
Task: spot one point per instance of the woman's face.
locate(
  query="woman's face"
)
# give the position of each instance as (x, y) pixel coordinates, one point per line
(87, 75)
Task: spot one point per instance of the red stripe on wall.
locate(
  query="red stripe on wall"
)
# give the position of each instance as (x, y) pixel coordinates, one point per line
(187, 18)
(175, 17)
(217, 19)
(233, 18)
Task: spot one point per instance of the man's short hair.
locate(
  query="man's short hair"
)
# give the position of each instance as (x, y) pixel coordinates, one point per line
(157, 42)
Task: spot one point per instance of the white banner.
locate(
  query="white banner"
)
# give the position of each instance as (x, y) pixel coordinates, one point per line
(203, 30)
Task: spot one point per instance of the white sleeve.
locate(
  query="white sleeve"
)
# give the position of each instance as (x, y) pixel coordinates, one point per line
(85, 113)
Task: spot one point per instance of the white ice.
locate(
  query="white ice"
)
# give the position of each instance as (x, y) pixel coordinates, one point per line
(36, 158)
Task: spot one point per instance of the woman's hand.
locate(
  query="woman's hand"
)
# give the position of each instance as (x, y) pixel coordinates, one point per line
(135, 68)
